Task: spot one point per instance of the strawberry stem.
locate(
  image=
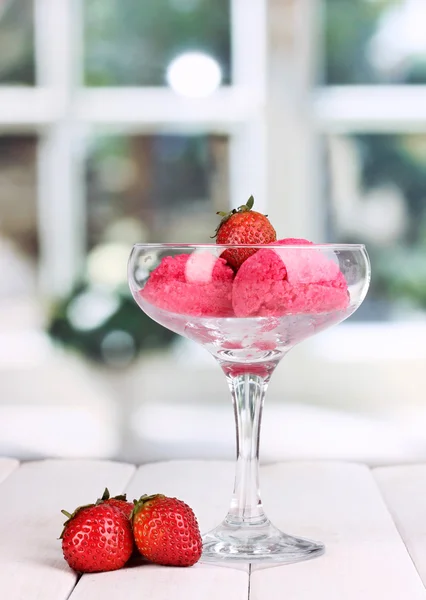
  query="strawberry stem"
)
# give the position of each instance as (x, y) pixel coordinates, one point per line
(107, 496)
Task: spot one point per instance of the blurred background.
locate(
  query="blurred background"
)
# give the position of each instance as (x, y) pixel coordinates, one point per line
(125, 121)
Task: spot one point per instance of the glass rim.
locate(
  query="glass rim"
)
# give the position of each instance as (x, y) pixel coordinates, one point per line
(171, 246)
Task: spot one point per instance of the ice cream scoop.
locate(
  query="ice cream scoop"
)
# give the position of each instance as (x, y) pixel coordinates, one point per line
(289, 280)
(196, 284)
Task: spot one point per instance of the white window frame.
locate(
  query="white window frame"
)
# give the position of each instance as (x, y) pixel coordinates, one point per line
(272, 113)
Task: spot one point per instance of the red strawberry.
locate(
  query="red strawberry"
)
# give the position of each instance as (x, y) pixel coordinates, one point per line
(243, 226)
(97, 537)
(119, 502)
(166, 531)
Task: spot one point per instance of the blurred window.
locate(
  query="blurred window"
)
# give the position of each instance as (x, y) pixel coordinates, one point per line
(376, 189)
(155, 187)
(18, 216)
(153, 115)
(129, 42)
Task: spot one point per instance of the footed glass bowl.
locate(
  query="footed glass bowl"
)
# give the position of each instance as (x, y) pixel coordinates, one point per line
(248, 321)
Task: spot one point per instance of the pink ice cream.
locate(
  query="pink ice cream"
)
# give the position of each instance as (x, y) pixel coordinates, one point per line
(288, 281)
(196, 284)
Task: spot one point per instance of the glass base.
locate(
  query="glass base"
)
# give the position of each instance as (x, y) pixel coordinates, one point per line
(257, 544)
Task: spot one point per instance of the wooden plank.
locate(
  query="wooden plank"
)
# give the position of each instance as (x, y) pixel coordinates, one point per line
(341, 505)
(7, 465)
(31, 561)
(206, 486)
(404, 491)
(204, 582)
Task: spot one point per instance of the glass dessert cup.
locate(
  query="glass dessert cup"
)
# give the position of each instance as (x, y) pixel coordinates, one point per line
(280, 296)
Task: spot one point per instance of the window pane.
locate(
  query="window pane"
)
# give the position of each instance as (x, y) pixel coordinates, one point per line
(378, 196)
(375, 41)
(131, 42)
(156, 188)
(17, 42)
(18, 218)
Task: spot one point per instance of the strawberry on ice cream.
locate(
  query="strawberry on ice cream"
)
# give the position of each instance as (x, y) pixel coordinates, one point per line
(245, 227)
(198, 284)
(289, 281)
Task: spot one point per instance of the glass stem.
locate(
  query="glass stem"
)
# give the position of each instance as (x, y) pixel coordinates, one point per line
(248, 393)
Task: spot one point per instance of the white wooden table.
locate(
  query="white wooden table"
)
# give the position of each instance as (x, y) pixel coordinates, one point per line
(373, 523)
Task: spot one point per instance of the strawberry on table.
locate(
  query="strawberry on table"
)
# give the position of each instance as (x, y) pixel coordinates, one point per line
(166, 531)
(98, 537)
(243, 226)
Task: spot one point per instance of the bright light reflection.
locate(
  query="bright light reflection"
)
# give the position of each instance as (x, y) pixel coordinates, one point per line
(194, 75)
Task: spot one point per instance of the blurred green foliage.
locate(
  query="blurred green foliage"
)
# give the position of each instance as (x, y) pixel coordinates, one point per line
(136, 331)
(401, 274)
(349, 26)
(17, 57)
(393, 159)
(399, 270)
